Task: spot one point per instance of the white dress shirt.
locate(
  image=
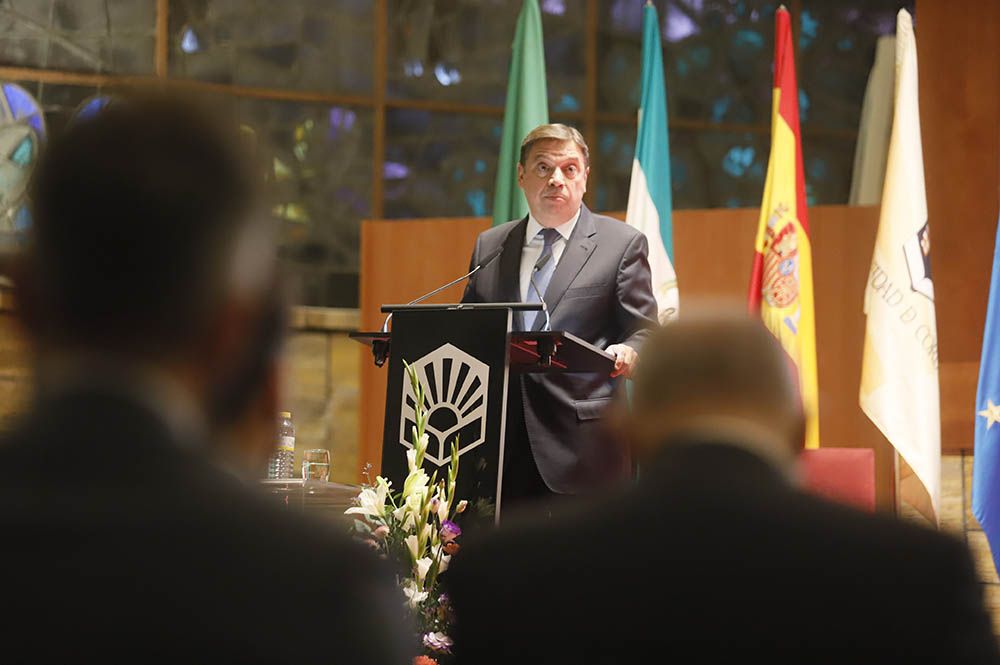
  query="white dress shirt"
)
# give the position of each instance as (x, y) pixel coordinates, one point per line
(533, 245)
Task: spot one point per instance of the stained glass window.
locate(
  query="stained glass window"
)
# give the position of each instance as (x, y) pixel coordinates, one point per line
(112, 36)
(445, 61)
(22, 132)
(836, 53)
(439, 164)
(716, 56)
(460, 51)
(318, 161)
(300, 44)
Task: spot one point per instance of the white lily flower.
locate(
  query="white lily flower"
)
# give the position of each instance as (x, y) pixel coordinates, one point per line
(443, 564)
(442, 511)
(462, 505)
(411, 545)
(370, 504)
(423, 566)
(411, 459)
(413, 597)
(427, 532)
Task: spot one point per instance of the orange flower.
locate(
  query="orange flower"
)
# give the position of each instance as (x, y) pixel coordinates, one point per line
(424, 660)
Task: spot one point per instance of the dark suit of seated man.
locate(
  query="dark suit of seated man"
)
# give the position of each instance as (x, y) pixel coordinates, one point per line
(715, 555)
(595, 280)
(148, 294)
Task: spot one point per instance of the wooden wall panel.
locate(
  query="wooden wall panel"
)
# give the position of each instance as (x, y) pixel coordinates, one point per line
(402, 259)
(958, 48)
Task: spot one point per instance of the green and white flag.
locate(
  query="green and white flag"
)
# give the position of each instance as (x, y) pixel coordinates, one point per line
(527, 107)
(649, 198)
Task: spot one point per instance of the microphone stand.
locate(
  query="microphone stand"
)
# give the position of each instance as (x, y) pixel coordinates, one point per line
(380, 349)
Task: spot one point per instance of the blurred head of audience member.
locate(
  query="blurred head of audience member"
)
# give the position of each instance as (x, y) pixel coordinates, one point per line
(719, 372)
(150, 263)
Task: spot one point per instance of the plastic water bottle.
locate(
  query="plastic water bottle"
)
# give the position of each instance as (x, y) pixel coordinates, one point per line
(282, 460)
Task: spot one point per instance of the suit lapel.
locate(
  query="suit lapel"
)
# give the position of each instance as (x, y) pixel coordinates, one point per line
(508, 288)
(579, 247)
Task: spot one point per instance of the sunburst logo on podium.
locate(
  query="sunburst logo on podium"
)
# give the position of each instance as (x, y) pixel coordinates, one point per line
(455, 386)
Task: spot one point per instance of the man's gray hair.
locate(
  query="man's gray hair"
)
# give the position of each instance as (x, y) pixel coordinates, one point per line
(554, 132)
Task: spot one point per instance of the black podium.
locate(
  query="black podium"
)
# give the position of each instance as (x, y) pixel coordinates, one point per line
(465, 356)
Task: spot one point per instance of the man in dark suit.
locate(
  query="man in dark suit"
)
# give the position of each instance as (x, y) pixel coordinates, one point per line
(147, 292)
(715, 554)
(594, 277)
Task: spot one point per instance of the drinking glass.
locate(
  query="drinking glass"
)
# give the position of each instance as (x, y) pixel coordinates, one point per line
(316, 464)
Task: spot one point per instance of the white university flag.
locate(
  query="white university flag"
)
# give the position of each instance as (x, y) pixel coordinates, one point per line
(899, 376)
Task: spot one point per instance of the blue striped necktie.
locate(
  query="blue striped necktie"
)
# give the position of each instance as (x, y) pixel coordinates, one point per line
(542, 273)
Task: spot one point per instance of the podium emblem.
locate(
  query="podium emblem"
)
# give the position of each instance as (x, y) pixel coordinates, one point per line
(455, 397)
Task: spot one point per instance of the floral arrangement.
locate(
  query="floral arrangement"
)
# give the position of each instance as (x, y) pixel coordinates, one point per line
(413, 529)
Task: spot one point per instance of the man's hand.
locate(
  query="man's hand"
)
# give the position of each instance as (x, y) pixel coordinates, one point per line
(625, 359)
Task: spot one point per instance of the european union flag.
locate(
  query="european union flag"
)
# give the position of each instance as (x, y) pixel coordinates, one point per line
(986, 464)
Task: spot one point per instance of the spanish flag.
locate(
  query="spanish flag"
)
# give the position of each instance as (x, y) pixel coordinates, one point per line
(781, 285)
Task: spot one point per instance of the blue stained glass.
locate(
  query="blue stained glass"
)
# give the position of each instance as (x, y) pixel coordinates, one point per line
(22, 219)
(189, 41)
(809, 29)
(803, 105)
(395, 171)
(480, 166)
(554, 7)
(749, 39)
(568, 103)
(719, 108)
(737, 160)
(626, 15)
(477, 202)
(845, 44)
(23, 152)
(90, 107)
(22, 106)
(458, 175)
(341, 120)
(677, 25)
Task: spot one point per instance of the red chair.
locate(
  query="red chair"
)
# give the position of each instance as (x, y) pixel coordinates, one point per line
(846, 475)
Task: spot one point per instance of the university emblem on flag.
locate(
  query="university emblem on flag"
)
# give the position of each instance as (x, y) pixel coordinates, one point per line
(917, 251)
(780, 284)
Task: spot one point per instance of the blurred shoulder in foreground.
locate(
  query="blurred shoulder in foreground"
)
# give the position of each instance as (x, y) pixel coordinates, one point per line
(715, 552)
(131, 529)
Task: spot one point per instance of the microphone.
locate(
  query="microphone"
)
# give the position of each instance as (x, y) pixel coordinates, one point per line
(482, 264)
(539, 264)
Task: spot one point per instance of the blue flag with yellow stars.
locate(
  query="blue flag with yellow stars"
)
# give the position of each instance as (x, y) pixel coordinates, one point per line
(986, 463)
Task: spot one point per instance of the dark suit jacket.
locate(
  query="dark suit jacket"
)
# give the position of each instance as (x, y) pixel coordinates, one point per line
(122, 544)
(600, 291)
(714, 553)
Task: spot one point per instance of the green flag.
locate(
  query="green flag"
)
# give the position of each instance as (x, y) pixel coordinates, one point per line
(527, 107)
